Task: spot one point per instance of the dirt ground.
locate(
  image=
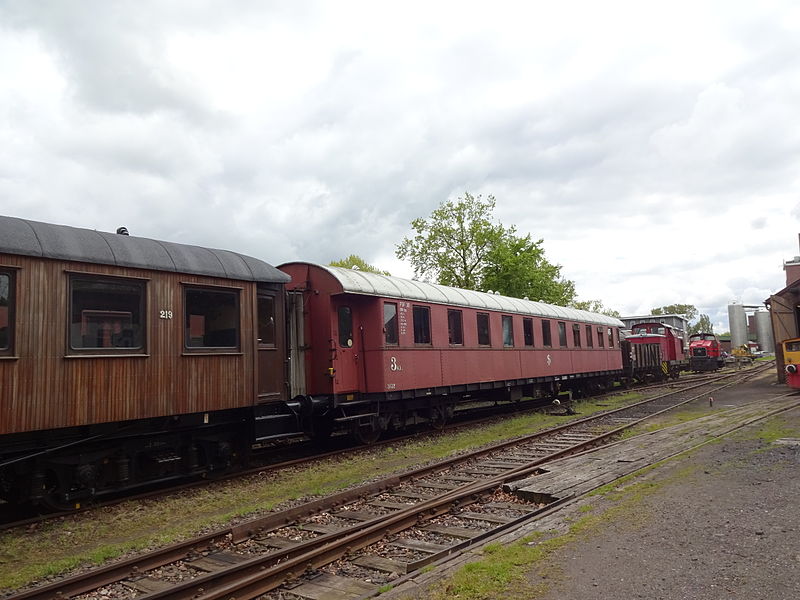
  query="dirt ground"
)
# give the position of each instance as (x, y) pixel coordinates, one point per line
(728, 529)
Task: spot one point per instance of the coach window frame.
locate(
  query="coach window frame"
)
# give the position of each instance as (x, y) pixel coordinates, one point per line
(235, 293)
(7, 351)
(576, 335)
(484, 333)
(139, 283)
(600, 336)
(266, 320)
(527, 331)
(391, 329)
(455, 327)
(547, 334)
(421, 326)
(562, 334)
(610, 337)
(507, 322)
(589, 337)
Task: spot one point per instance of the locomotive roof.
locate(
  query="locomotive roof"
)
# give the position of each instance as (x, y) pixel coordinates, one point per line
(32, 238)
(373, 284)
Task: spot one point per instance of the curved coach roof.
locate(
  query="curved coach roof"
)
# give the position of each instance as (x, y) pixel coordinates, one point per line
(373, 284)
(32, 238)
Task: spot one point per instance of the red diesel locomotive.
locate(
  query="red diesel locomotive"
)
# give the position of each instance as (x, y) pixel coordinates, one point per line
(669, 341)
(705, 352)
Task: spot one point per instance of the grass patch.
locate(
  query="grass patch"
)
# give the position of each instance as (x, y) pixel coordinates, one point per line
(94, 537)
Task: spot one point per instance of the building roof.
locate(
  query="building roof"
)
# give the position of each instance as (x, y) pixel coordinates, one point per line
(32, 238)
(373, 284)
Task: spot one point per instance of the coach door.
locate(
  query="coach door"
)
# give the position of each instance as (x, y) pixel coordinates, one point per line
(346, 352)
(270, 340)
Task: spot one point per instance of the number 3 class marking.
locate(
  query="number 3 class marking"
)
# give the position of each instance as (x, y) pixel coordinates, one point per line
(393, 364)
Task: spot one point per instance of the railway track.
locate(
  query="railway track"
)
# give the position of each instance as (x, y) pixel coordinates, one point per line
(349, 544)
(299, 453)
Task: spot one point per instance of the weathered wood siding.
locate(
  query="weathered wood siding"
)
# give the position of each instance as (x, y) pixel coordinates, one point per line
(46, 387)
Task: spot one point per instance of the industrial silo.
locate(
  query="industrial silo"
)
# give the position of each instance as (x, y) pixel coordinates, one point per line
(764, 331)
(737, 321)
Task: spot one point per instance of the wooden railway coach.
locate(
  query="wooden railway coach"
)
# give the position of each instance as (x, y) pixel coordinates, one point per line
(125, 360)
(388, 351)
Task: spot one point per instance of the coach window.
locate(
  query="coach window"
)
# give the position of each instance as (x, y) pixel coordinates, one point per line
(211, 319)
(106, 314)
(390, 323)
(6, 312)
(345, 318)
(455, 327)
(576, 335)
(266, 321)
(610, 337)
(527, 331)
(483, 330)
(422, 325)
(546, 335)
(508, 331)
(599, 337)
(562, 334)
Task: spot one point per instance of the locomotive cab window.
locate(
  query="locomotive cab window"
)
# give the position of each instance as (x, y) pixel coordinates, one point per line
(576, 335)
(345, 327)
(546, 334)
(483, 330)
(106, 314)
(422, 325)
(390, 323)
(6, 312)
(508, 331)
(562, 334)
(212, 319)
(527, 331)
(455, 327)
(589, 337)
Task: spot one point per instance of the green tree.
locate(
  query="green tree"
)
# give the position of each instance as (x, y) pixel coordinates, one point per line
(516, 267)
(461, 245)
(595, 306)
(703, 325)
(453, 245)
(359, 263)
(687, 310)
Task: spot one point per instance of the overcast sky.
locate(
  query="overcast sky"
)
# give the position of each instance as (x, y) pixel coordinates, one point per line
(654, 147)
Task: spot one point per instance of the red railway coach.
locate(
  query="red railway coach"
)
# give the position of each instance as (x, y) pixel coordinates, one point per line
(388, 350)
(126, 360)
(670, 343)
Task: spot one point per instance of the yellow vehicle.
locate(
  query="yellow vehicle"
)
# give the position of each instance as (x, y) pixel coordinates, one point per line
(791, 356)
(742, 353)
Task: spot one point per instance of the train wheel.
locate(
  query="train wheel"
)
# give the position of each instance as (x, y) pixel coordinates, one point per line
(439, 416)
(367, 433)
(51, 497)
